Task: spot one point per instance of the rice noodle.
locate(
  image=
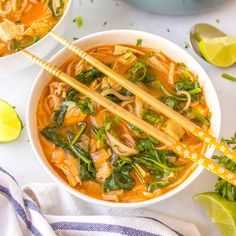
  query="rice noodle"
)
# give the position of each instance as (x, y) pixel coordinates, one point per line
(125, 103)
(138, 106)
(181, 92)
(130, 140)
(118, 95)
(119, 148)
(161, 147)
(6, 11)
(155, 63)
(171, 73)
(28, 8)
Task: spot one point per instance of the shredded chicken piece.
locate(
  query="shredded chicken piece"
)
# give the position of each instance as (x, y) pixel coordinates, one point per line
(58, 89)
(113, 198)
(103, 171)
(39, 28)
(119, 50)
(68, 165)
(82, 66)
(100, 157)
(10, 31)
(73, 115)
(53, 102)
(128, 59)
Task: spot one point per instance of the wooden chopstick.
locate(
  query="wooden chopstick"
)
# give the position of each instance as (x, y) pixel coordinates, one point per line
(174, 145)
(149, 99)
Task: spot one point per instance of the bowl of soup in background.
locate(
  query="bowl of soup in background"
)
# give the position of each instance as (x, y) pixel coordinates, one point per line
(176, 7)
(15, 62)
(128, 37)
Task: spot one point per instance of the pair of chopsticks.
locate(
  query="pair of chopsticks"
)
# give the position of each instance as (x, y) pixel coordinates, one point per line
(173, 144)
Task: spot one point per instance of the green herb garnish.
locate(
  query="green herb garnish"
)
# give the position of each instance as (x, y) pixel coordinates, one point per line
(139, 42)
(228, 77)
(79, 21)
(224, 188)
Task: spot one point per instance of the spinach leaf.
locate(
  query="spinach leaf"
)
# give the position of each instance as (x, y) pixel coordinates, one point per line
(157, 184)
(145, 144)
(157, 159)
(86, 106)
(85, 158)
(72, 95)
(171, 102)
(185, 85)
(87, 77)
(120, 177)
(192, 87)
(26, 41)
(59, 115)
(53, 135)
(86, 165)
(56, 11)
(100, 133)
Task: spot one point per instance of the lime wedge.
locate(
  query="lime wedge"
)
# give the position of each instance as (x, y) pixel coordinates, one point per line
(219, 51)
(221, 211)
(10, 123)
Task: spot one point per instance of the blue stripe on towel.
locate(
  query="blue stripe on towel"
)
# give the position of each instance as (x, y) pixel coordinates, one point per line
(31, 205)
(154, 219)
(5, 172)
(20, 211)
(100, 227)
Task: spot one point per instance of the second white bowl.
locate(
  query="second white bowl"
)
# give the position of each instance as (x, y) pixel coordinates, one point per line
(14, 62)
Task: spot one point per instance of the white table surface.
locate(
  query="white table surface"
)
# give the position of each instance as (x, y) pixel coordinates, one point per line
(18, 158)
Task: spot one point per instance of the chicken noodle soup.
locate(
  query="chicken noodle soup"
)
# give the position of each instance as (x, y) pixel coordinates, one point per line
(103, 156)
(24, 22)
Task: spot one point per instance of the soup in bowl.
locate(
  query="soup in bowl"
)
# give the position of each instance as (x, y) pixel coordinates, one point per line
(98, 156)
(24, 23)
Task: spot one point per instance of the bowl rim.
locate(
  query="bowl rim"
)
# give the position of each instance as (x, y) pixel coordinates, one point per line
(45, 36)
(196, 172)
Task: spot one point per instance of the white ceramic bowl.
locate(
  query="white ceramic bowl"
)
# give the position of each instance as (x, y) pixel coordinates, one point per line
(14, 62)
(125, 37)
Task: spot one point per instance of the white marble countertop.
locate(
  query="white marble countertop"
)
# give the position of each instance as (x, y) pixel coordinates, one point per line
(18, 158)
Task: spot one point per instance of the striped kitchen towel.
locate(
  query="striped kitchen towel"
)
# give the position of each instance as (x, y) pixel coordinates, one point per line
(46, 209)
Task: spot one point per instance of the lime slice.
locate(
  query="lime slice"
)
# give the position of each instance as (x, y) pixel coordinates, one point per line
(221, 211)
(10, 123)
(219, 51)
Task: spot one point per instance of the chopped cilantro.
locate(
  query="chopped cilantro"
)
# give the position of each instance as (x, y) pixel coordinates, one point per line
(79, 21)
(186, 45)
(229, 77)
(139, 42)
